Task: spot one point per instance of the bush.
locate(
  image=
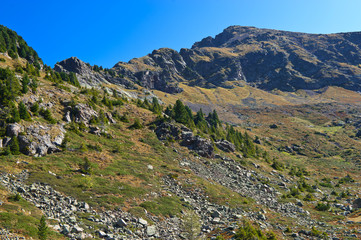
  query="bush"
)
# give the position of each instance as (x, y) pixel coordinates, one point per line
(47, 115)
(86, 167)
(124, 118)
(322, 207)
(136, 124)
(248, 232)
(17, 197)
(309, 197)
(277, 166)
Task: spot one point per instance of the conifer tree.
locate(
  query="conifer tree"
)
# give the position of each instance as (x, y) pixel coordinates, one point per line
(181, 115)
(156, 108)
(23, 112)
(43, 229)
(25, 82)
(14, 146)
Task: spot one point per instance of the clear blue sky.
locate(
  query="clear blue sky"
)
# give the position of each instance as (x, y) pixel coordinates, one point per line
(105, 32)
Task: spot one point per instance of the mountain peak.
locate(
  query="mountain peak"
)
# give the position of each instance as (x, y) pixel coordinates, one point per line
(72, 64)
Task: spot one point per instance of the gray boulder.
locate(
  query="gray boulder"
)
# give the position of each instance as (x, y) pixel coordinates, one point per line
(357, 203)
(202, 146)
(226, 146)
(80, 113)
(40, 140)
(14, 129)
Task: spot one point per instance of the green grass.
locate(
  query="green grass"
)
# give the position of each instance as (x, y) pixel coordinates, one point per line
(165, 206)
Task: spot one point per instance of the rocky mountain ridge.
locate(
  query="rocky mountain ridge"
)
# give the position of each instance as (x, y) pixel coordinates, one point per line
(268, 59)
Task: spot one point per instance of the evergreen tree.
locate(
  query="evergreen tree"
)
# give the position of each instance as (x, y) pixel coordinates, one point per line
(14, 146)
(156, 108)
(201, 122)
(9, 86)
(180, 113)
(23, 112)
(34, 84)
(86, 167)
(213, 119)
(14, 114)
(25, 82)
(43, 229)
(35, 108)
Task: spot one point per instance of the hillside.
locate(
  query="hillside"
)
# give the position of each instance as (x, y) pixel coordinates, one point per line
(101, 154)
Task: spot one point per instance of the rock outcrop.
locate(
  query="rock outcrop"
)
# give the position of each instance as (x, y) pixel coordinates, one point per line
(86, 76)
(80, 113)
(36, 140)
(168, 131)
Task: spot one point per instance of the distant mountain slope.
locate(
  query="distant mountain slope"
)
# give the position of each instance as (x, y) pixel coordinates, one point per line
(288, 60)
(265, 58)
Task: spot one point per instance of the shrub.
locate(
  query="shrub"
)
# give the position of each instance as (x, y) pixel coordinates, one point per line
(277, 166)
(247, 232)
(47, 115)
(322, 207)
(86, 167)
(136, 124)
(309, 197)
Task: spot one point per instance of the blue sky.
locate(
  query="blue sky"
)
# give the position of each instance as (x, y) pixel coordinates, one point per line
(105, 32)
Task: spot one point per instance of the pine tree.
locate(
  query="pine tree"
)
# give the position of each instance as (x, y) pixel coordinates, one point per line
(23, 112)
(14, 115)
(14, 146)
(181, 114)
(156, 108)
(35, 108)
(25, 82)
(43, 229)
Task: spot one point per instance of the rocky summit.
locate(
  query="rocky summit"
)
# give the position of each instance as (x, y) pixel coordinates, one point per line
(252, 134)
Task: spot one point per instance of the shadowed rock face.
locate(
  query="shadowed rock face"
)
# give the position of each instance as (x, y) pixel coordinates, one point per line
(267, 58)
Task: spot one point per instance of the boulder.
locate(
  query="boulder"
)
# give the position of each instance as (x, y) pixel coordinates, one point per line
(110, 118)
(143, 221)
(202, 146)
(166, 131)
(14, 129)
(40, 140)
(357, 203)
(82, 113)
(151, 230)
(226, 146)
(120, 223)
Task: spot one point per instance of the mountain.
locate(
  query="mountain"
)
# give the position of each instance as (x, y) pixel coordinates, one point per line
(97, 153)
(268, 59)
